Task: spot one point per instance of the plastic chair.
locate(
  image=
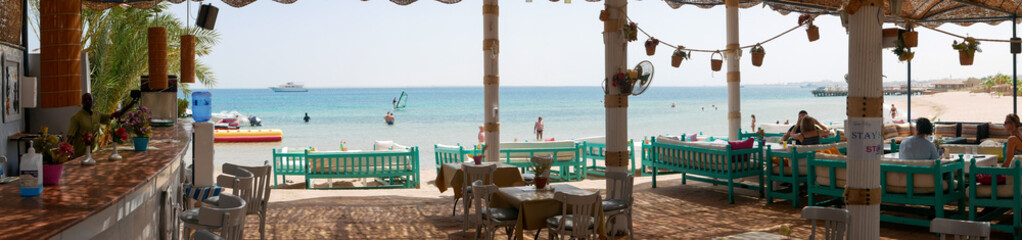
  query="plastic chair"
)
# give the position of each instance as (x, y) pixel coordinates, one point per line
(260, 196)
(835, 221)
(471, 174)
(205, 235)
(960, 229)
(239, 180)
(581, 223)
(619, 201)
(489, 217)
(228, 216)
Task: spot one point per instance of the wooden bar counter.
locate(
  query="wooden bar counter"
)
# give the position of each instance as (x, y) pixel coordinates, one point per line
(132, 198)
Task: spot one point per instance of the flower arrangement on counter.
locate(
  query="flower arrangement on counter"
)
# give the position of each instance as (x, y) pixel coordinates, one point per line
(54, 150)
(138, 122)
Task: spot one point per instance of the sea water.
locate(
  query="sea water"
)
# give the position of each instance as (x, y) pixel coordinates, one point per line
(452, 115)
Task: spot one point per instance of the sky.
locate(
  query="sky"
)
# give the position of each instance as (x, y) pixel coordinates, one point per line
(430, 44)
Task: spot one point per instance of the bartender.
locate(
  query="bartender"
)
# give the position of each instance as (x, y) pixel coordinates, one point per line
(88, 120)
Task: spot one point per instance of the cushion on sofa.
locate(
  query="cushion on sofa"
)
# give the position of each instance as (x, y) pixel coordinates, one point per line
(970, 132)
(945, 130)
(999, 131)
(904, 130)
(890, 131)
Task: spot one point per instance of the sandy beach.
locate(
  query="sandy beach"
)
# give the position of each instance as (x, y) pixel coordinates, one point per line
(957, 106)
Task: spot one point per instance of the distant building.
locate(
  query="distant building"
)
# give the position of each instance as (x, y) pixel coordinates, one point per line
(948, 85)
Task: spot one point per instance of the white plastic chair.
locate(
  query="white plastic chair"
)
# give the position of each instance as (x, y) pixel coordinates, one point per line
(491, 218)
(228, 216)
(619, 201)
(471, 174)
(581, 223)
(835, 221)
(960, 229)
(260, 196)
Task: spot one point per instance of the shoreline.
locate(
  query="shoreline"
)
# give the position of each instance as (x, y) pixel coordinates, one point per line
(956, 107)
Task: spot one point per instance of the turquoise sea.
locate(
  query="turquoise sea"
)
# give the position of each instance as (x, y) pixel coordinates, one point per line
(452, 115)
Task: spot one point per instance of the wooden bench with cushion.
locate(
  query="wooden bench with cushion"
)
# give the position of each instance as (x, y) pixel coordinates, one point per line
(594, 149)
(717, 164)
(390, 168)
(287, 163)
(566, 155)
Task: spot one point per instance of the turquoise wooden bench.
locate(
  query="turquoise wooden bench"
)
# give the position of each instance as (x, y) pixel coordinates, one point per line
(445, 154)
(390, 168)
(711, 163)
(1000, 197)
(567, 156)
(594, 151)
(907, 182)
(287, 163)
(794, 172)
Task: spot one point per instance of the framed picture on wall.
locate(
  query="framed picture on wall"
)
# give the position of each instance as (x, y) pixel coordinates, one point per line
(11, 105)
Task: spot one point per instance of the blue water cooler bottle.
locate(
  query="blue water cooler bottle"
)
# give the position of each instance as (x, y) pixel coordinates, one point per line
(201, 106)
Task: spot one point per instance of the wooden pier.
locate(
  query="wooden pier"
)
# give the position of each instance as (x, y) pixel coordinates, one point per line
(844, 92)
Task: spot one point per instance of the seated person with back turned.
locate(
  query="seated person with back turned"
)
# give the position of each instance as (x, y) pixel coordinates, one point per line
(810, 137)
(798, 129)
(917, 147)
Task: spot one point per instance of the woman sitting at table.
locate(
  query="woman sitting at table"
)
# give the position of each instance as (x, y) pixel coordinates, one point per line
(810, 135)
(917, 147)
(1011, 122)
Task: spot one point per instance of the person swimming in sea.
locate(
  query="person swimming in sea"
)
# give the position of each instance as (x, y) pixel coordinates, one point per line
(307, 117)
(388, 118)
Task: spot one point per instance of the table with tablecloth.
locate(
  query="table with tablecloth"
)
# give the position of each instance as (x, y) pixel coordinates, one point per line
(452, 176)
(535, 206)
(982, 160)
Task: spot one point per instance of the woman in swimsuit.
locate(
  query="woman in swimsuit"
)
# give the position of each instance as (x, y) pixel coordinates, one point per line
(810, 135)
(1011, 122)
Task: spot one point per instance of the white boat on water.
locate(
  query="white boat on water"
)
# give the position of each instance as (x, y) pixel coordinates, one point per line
(290, 87)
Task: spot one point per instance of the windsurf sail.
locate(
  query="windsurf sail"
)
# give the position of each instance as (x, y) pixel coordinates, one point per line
(401, 101)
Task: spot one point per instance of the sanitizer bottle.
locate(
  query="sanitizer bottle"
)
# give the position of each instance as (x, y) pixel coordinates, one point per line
(31, 173)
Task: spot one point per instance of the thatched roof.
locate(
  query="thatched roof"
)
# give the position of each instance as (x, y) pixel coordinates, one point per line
(927, 12)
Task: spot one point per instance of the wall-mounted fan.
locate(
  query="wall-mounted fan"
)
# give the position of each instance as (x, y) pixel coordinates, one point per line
(635, 81)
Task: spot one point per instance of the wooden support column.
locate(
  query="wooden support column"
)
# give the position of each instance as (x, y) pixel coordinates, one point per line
(491, 80)
(865, 118)
(733, 53)
(615, 60)
(60, 42)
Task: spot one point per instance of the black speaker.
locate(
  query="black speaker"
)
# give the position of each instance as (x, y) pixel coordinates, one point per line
(207, 17)
(1016, 46)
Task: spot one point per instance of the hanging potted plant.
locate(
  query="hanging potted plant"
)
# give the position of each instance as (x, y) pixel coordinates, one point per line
(622, 81)
(651, 46)
(55, 153)
(966, 50)
(903, 52)
(631, 32)
(909, 37)
(137, 121)
(678, 56)
(757, 55)
(716, 63)
(812, 31)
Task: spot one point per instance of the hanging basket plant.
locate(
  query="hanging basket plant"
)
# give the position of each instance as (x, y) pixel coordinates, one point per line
(757, 55)
(631, 32)
(909, 37)
(623, 82)
(716, 61)
(812, 31)
(966, 50)
(679, 54)
(902, 50)
(651, 46)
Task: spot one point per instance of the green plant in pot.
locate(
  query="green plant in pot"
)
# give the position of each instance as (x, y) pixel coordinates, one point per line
(478, 159)
(55, 153)
(137, 121)
(757, 55)
(966, 50)
(541, 167)
(903, 51)
(679, 55)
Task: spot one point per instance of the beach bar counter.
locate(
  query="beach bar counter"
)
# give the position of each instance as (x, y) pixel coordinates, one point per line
(132, 198)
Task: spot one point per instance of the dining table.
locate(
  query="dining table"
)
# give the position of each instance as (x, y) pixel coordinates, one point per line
(536, 205)
(452, 176)
(982, 160)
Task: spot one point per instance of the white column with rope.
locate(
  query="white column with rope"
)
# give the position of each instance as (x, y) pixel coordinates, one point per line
(733, 51)
(491, 80)
(865, 120)
(616, 102)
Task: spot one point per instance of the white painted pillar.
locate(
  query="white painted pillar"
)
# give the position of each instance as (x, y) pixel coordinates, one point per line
(491, 80)
(734, 97)
(865, 122)
(616, 60)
